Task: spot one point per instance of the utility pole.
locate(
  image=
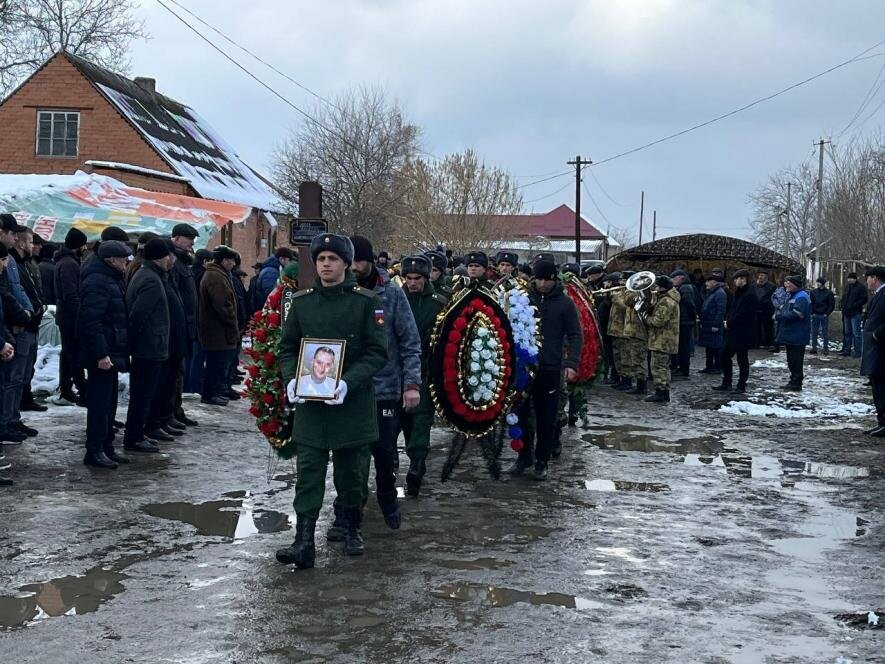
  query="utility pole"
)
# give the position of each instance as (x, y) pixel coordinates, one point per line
(787, 222)
(818, 253)
(654, 225)
(578, 163)
(641, 214)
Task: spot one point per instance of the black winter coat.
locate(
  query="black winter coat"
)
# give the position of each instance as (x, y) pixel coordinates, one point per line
(854, 299)
(47, 280)
(13, 312)
(67, 288)
(822, 301)
(30, 280)
(763, 295)
(688, 305)
(182, 277)
(148, 313)
(242, 301)
(179, 339)
(603, 312)
(102, 326)
(559, 326)
(5, 334)
(872, 362)
(740, 321)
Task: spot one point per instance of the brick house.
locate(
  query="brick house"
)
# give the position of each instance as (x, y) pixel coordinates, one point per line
(72, 115)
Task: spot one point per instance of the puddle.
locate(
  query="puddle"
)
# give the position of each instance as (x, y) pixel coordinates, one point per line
(635, 439)
(496, 596)
(233, 518)
(366, 621)
(477, 564)
(622, 485)
(64, 596)
(768, 467)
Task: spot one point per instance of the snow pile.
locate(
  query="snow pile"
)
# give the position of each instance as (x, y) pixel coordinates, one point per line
(45, 380)
(768, 364)
(810, 407)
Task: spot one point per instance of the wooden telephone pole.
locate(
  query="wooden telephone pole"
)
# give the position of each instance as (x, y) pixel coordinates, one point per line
(578, 163)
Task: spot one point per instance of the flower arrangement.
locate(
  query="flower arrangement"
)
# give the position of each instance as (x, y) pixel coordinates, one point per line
(264, 385)
(591, 350)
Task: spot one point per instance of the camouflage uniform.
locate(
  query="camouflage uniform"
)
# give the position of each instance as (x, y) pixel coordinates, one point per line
(663, 336)
(634, 354)
(616, 331)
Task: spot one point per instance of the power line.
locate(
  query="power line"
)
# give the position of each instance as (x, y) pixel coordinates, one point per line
(552, 177)
(246, 50)
(592, 200)
(868, 98)
(742, 108)
(602, 189)
(553, 193)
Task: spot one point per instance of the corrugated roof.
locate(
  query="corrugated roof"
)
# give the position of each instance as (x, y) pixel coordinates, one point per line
(183, 139)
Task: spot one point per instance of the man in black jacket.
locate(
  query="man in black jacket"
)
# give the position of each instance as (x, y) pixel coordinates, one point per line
(872, 363)
(560, 352)
(181, 277)
(29, 275)
(15, 318)
(740, 333)
(764, 289)
(854, 299)
(102, 325)
(67, 303)
(47, 271)
(822, 304)
(7, 349)
(148, 310)
(688, 316)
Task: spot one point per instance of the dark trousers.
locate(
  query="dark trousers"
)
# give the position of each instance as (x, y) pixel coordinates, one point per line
(70, 373)
(384, 453)
(177, 408)
(163, 404)
(608, 351)
(543, 401)
(795, 360)
(743, 365)
(12, 377)
(27, 395)
(101, 409)
(878, 383)
(144, 378)
(713, 358)
(766, 326)
(193, 375)
(215, 373)
(681, 361)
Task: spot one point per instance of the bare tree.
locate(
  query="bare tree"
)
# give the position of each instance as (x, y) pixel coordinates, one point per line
(625, 237)
(457, 202)
(32, 30)
(793, 234)
(355, 149)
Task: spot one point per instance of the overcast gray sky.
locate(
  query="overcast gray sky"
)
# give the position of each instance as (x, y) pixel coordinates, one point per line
(531, 84)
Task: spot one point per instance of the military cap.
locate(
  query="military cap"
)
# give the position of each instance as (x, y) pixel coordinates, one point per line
(876, 271)
(572, 268)
(664, 282)
(114, 233)
(592, 269)
(507, 257)
(184, 230)
(337, 244)
(544, 256)
(113, 249)
(437, 260)
(220, 252)
(544, 270)
(478, 257)
(415, 265)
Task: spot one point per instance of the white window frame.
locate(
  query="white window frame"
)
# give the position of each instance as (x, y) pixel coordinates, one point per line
(52, 113)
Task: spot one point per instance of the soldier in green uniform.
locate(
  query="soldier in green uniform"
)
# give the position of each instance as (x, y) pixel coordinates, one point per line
(334, 308)
(426, 305)
(616, 331)
(635, 353)
(438, 279)
(477, 263)
(663, 336)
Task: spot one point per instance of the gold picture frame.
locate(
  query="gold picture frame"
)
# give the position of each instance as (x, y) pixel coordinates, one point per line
(320, 365)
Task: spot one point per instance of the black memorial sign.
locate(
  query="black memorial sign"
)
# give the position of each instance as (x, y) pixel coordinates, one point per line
(302, 231)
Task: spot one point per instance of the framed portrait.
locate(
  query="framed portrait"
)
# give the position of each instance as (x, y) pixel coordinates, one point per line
(320, 363)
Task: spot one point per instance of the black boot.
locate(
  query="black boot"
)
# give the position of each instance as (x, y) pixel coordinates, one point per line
(625, 384)
(353, 539)
(725, 386)
(302, 553)
(660, 396)
(519, 466)
(97, 459)
(641, 387)
(115, 456)
(740, 389)
(390, 509)
(415, 476)
(336, 531)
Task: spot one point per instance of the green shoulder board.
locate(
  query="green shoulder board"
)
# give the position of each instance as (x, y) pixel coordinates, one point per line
(441, 299)
(302, 292)
(364, 291)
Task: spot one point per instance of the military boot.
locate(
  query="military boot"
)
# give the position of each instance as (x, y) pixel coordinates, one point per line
(302, 553)
(625, 384)
(641, 387)
(353, 539)
(415, 476)
(336, 531)
(660, 396)
(390, 509)
(724, 387)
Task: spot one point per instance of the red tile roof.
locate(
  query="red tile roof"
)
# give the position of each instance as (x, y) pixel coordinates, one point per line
(558, 223)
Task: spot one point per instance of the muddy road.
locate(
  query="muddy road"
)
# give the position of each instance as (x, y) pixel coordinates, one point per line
(706, 531)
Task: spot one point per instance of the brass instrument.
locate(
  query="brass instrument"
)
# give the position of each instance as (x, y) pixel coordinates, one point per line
(641, 284)
(605, 291)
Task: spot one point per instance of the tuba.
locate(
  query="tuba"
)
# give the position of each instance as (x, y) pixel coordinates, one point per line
(641, 284)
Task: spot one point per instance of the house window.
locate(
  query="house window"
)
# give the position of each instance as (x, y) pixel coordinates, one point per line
(57, 133)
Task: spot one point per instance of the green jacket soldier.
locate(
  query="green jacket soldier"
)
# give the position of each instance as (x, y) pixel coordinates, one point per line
(477, 263)
(426, 305)
(663, 336)
(335, 308)
(438, 279)
(617, 313)
(635, 337)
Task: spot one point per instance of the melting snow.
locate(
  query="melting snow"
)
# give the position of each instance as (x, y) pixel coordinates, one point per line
(818, 407)
(45, 380)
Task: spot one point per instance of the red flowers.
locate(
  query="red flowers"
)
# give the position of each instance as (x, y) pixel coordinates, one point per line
(253, 411)
(253, 370)
(269, 358)
(274, 319)
(260, 335)
(275, 298)
(269, 399)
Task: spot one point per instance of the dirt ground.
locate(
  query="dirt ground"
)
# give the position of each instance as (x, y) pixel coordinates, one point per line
(676, 533)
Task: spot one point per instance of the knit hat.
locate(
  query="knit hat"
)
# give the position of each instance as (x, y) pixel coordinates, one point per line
(796, 280)
(184, 230)
(222, 251)
(113, 249)
(664, 282)
(155, 249)
(75, 239)
(47, 251)
(291, 270)
(415, 265)
(477, 257)
(337, 244)
(8, 222)
(544, 270)
(507, 257)
(362, 248)
(114, 233)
